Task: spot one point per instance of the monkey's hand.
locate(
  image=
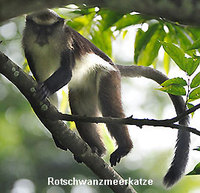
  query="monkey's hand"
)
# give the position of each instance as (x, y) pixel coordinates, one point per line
(117, 155)
(42, 91)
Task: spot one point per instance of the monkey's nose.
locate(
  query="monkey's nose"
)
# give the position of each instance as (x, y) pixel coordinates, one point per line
(42, 39)
(41, 42)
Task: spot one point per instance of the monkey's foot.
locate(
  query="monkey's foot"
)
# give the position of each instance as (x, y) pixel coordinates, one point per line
(117, 155)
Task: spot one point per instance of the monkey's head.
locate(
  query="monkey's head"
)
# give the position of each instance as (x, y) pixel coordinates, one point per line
(41, 25)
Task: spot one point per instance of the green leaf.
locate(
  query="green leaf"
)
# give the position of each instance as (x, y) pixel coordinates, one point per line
(174, 81)
(171, 36)
(195, 31)
(166, 61)
(150, 52)
(174, 89)
(82, 24)
(176, 54)
(195, 94)
(191, 65)
(174, 86)
(189, 105)
(142, 38)
(195, 171)
(183, 39)
(139, 44)
(109, 18)
(195, 81)
(102, 39)
(124, 34)
(128, 20)
(195, 45)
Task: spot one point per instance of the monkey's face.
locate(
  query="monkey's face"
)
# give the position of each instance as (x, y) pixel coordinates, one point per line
(43, 26)
(42, 33)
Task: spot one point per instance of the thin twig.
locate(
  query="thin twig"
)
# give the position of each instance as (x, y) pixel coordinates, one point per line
(131, 121)
(182, 115)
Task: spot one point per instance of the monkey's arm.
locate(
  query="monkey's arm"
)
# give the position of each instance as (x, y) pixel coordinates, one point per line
(59, 78)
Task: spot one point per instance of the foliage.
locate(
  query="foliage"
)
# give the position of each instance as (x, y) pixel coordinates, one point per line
(195, 171)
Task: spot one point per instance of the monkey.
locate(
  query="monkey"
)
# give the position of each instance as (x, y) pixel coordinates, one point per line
(57, 56)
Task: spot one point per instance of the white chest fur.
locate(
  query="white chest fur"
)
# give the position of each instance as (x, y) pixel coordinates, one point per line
(87, 69)
(47, 60)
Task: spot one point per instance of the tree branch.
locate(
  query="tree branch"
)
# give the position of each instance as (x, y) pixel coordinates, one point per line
(182, 115)
(183, 11)
(66, 137)
(131, 121)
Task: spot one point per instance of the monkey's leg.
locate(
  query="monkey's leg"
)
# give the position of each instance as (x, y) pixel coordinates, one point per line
(84, 102)
(111, 106)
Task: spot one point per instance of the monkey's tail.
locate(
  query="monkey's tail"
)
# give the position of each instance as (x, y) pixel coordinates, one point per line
(180, 159)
